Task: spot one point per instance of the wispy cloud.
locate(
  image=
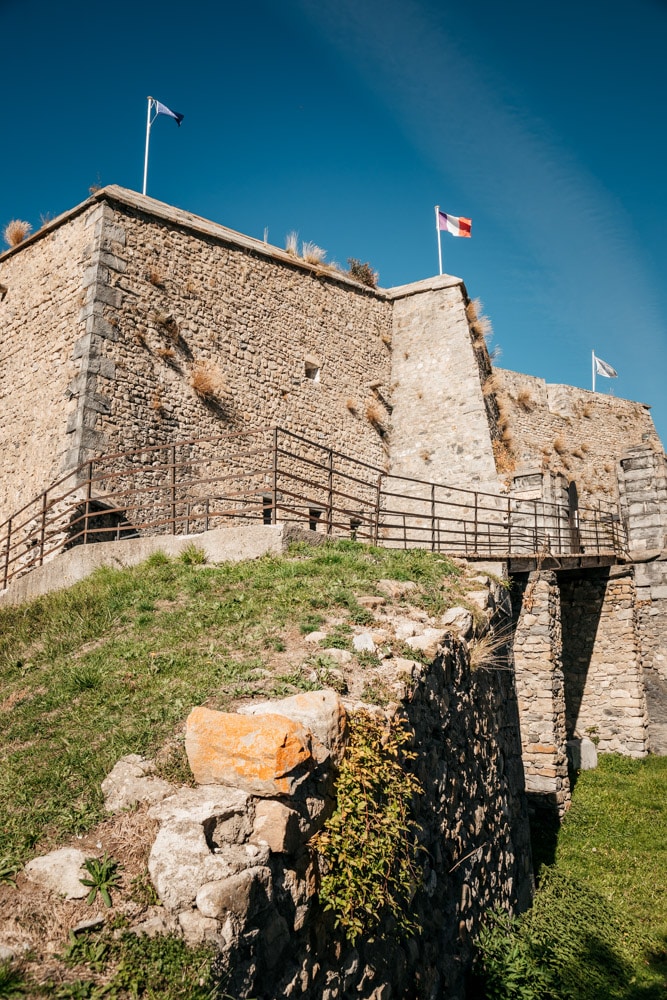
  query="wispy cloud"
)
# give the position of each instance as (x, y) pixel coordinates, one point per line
(512, 169)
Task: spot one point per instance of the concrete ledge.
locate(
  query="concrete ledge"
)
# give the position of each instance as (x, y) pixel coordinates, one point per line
(220, 545)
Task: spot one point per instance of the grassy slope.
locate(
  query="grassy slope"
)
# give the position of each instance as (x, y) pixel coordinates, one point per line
(114, 665)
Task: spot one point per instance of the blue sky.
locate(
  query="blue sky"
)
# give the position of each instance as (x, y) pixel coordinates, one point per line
(348, 122)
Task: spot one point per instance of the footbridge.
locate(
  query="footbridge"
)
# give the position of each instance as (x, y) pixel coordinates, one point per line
(272, 475)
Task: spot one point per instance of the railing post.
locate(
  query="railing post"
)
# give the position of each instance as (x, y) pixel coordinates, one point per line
(89, 493)
(9, 542)
(535, 527)
(42, 530)
(474, 541)
(330, 493)
(376, 525)
(432, 517)
(509, 525)
(597, 526)
(173, 489)
(206, 508)
(274, 479)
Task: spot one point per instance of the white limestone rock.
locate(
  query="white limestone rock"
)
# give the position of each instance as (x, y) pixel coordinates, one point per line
(130, 781)
(60, 872)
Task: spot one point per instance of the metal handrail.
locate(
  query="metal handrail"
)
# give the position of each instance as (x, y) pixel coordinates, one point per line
(275, 475)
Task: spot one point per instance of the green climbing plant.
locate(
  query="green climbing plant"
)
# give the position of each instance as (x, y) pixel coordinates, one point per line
(368, 847)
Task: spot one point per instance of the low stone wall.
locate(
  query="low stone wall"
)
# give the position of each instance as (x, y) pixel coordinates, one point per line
(234, 865)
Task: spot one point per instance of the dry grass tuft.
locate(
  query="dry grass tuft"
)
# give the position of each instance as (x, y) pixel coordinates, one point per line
(484, 652)
(525, 399)
(504, 459)
(167, 353)
(386, 339)
(560, 446)
(156, 402)
(292, 243)
(426, 454)
(375, 414)
(587, 410)
(363, 272)
(490, 386)
(16, 231)
(474, 309)
(155, 278)
(352, 405)
(313, 254)
(207, 381)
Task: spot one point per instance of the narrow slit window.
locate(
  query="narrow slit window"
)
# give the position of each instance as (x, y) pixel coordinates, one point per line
(312, 372)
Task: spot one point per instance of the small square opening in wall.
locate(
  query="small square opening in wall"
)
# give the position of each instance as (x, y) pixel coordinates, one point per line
(312, 368)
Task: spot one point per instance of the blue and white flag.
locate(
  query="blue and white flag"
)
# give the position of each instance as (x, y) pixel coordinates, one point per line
(162, 109)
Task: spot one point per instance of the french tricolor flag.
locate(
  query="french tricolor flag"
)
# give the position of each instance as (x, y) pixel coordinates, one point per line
(456, 225)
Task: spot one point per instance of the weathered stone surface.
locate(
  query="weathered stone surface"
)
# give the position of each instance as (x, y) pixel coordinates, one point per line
(582, 753)
(482, 598)
(157, 922)
(363, 643)
(427, 642)
(397, 588)
(342, 656)
(315, 637)
(130, 781)
(60, 872)
(319, 712)
(267, 754)
(245, 895)
(277, 826)
(199, 929)
(371, 602)
(459, 619)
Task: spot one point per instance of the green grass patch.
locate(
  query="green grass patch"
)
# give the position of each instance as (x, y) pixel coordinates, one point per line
(113, 665)
(598, 926)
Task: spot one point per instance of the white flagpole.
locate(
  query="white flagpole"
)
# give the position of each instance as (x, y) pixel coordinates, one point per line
(437, 229)
(148, 136)
(593, 362)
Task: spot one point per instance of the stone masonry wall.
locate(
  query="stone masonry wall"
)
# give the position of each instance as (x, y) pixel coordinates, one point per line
(183, 303)
(604, 690)
(540, 689)
(115, 309)
(578, 433)
(440, 428)
(40, 323)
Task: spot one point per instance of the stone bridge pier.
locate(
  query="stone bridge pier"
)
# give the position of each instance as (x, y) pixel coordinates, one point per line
(578, 670)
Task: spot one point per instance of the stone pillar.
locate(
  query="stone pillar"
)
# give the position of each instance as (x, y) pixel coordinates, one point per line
(651, 584)
(604, 690)
(540, 693)
(642, 483)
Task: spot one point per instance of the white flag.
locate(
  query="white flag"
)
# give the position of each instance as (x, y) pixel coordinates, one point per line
(602, 368)
(162, 109)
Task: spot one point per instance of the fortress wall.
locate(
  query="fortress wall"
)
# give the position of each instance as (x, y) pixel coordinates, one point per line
(40, 322)
(440, 428)
(579, 433)
(185, 299)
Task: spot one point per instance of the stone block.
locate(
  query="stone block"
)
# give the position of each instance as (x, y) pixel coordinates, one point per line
(459, 619)
(245, 895)
(277, 826)
(60, 872)
(319, 712)
(582, 754)
(268, 755)
(131, 781)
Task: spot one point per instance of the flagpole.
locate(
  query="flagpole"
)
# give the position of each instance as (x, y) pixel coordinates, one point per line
(148, 136)
(593, 365)
(437, 229)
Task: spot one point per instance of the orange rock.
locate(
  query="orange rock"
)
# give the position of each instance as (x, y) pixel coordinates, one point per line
(267, 755)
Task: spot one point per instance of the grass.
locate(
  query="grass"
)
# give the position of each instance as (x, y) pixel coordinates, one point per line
(113, 665)
(207, 381)
(598, 927)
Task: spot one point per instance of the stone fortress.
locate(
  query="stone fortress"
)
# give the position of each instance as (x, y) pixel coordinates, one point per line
(114, 313)
(128, 324)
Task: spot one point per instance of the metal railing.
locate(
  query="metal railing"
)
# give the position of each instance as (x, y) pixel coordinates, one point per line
(271, 475)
